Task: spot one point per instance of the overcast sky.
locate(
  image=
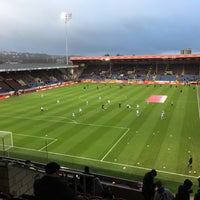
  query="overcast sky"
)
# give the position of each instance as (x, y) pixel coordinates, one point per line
(99, 27)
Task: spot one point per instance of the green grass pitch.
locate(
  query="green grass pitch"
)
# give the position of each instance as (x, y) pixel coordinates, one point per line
(113, 140)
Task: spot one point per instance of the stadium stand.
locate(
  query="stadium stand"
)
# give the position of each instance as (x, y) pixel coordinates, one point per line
(17, 178)
(4, 87)
(142, 72)
(20, 77)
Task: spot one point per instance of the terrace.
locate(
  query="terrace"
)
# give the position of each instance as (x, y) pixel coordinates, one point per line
(21, 173)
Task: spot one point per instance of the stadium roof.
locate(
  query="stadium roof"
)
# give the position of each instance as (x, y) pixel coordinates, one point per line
(25, 67)
(145, 58)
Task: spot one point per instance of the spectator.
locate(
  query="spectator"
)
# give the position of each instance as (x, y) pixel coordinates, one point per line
(148, 188)
(51, 187)
(162, 193)
(184, 190)
(197, 194)
(91, 184)
(107, 193)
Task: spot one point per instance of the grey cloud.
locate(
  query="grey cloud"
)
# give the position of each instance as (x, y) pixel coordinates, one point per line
(99, 27)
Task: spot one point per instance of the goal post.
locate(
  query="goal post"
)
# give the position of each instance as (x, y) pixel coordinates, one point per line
(6, 140)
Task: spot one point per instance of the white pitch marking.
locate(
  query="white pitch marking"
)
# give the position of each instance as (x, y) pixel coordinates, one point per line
(48, 145)
(112, 163)
(34, 136)
(115, 144)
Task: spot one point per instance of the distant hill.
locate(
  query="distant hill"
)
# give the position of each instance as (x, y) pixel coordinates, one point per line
(16, 57)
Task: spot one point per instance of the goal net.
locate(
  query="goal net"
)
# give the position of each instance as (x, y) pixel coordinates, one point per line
(6, 140)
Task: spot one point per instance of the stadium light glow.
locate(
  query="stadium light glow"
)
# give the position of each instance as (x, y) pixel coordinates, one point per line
(110, 68)
(66, 17)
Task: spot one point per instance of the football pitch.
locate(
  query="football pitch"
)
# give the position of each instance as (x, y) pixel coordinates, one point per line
(108, 133)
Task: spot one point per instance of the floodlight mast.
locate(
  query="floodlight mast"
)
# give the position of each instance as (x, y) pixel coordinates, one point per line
(66, 16)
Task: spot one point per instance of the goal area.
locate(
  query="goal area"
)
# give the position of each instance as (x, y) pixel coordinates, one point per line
(6, 140)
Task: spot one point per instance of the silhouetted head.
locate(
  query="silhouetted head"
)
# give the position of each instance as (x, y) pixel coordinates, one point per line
(52, 167)
(187, 184)
(86, 170)
(153, 172)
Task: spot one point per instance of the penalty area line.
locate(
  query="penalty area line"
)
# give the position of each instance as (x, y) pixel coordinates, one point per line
(48, 144)
(34, 136)
(115, 144)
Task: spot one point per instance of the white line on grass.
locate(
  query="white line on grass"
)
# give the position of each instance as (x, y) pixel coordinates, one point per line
(48, 144)
(34, 136)
(66, 122)
(45, 138)
(102, 160)
(144, 168)
(198, 100)
(107, 162)
(115, 144)
(39, 119)
(59, 154)
(100, 125)
(85, 124)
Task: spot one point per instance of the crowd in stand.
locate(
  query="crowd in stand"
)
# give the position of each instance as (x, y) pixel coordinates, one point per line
(53, 186)
(142, 72)
(20, 80)
(156, 191)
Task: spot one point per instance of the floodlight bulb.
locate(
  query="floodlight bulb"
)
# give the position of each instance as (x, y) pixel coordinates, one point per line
(63, 15)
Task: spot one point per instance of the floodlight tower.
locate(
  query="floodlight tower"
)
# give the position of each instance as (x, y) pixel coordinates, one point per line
(66, 17)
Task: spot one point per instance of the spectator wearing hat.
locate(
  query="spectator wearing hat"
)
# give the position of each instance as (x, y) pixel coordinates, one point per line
(51, 187)
(148, 187)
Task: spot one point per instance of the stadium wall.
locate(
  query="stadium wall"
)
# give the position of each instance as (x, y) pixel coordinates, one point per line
(136, 82)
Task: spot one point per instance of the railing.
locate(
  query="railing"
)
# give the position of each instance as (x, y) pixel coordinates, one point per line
(120, 187)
